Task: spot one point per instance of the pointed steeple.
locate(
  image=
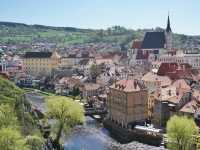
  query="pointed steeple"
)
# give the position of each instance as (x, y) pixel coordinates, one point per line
(168, 29)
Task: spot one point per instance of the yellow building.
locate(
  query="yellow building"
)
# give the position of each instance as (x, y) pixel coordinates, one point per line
(41, 63)
(69, 61)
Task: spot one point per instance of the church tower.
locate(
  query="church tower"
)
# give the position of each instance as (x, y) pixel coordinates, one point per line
(168, 35)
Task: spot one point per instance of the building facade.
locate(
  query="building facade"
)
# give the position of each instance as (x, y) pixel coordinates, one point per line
(74, 60)
(189, 58)
(90, 89)
(127, 102)
(40, 63)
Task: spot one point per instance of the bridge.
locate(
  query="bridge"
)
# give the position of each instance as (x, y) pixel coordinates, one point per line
(96, 113)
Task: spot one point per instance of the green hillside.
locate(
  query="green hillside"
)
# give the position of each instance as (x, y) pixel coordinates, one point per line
(17, 33)
(9, 93)
(12, 33)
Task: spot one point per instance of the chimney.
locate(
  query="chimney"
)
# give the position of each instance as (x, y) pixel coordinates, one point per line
(169, 93)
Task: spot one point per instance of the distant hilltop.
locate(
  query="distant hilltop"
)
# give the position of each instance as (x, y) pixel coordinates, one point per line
(14, 24)
(20, 33)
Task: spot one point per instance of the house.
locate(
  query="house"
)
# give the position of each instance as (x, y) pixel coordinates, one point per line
(105, 79)
(11, 65)
(169, 101)
(90, 89)
(74, 59)
(127, 102)
(190, 108)
(154, 81)
(67, 86)
(193, 59)
(175, 70)
(136, 45)
(82, 65)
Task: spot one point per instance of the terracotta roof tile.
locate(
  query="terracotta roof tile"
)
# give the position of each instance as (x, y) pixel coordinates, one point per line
(182, 85)
(152, 77)
(191, 107)
(175, 71)
(91, 86)
(136, 44)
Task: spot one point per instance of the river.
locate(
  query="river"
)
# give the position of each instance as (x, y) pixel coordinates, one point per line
(90, 136)
(93, 136)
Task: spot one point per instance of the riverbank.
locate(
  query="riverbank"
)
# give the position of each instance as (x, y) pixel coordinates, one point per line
(124, 135)
(92, 135)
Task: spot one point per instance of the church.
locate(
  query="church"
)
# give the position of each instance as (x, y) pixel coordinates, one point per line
(153, 44)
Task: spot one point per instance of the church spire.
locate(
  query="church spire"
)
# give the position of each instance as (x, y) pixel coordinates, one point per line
(168, 29)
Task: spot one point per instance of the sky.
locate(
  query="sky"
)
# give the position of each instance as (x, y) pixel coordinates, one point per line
(101, 14)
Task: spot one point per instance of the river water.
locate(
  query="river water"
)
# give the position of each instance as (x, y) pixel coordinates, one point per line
(92, 136)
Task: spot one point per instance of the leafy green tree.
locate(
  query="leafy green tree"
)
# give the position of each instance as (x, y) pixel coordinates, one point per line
(95, 70)
(67, 114)
(9, 93)
(180, 131)
(100, 33)
(75, 91)
(11, 139)
(35, 142)
(13, 106)
(7, 116)
(78, 97)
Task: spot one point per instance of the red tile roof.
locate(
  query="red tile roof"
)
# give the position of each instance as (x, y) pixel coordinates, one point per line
(181, 84)
(191, 107)
(91, 86)
(175, 71)
(152, 77)
(136, 44)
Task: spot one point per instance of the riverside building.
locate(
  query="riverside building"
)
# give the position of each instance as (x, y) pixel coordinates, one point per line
(127, 102)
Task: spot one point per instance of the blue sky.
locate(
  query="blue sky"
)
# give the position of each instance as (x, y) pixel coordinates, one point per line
(133, 14)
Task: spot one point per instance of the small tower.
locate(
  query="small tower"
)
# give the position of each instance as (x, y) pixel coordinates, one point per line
(168, 35)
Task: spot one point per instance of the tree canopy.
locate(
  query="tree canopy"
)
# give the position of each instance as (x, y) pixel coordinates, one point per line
(15, 122)
(66, 112)
(9, 93)
(180, 131)
(7, 116)
(11, 139)
(34, 142)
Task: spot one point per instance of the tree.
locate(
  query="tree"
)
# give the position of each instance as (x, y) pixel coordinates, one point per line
(67, 114)
(75, 91)
(11, 139)
(179, 132)
(7, 116)
(95, 70)
(34, 142)
(100, 34)
(9, 93)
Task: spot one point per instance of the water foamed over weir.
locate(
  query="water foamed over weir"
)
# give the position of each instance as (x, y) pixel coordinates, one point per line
(93, 136)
